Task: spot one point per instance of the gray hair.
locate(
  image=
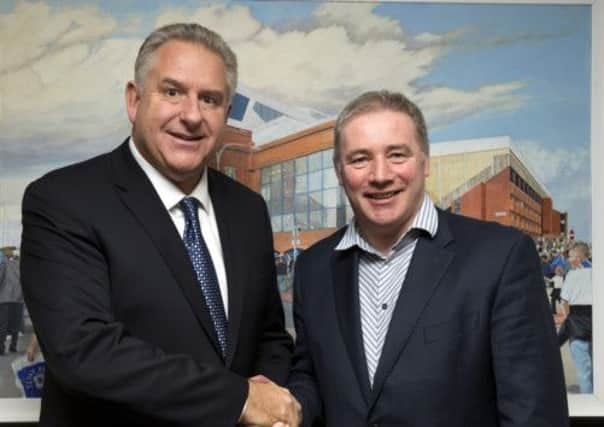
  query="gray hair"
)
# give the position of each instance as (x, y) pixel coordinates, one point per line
(381, 100)
(187, 32)
(582, 247)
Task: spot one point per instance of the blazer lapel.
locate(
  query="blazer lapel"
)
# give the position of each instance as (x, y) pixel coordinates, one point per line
(428, 265)
(346, 285)
(219, 194)
(141, 199)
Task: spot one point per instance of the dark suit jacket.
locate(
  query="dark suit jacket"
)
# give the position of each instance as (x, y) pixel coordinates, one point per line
(120, 317)
(471, 341)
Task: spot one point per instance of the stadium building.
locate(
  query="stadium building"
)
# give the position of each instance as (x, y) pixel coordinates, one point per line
(481, 178)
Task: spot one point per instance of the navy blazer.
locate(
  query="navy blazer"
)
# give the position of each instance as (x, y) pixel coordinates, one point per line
(471, 342)
(120, 317)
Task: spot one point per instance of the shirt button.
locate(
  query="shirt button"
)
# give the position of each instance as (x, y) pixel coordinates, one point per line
(384, 306)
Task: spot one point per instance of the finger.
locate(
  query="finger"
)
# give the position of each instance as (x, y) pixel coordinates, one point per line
(260, 379)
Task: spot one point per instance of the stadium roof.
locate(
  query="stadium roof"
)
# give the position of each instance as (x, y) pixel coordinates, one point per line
(269, 119)
(485, 144)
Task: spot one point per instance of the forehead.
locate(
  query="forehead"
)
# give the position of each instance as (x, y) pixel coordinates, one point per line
(185, 61)
(379, 128)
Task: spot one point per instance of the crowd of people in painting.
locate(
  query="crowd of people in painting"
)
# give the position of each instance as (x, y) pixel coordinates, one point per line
(567, 273)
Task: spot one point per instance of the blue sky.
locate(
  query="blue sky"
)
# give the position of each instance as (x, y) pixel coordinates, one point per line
(476, 70)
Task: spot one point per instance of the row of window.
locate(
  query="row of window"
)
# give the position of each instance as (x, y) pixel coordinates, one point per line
(524, 186)
(304, 193)
(525, 208)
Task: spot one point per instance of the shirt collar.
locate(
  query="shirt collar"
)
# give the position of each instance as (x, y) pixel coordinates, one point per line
(167, 191)
(426, 220)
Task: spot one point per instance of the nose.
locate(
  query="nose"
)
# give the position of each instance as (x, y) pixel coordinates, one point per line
(381, 171)
(191, 112)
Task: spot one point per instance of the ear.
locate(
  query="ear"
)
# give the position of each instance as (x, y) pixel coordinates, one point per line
(337, 167)
(426, 166)
(132, 100)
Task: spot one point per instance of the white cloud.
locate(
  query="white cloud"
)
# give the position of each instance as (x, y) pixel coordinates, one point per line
(359, 21)
(234, 23)
(566, 174)
(34, 30)
(64, 82)
(556, 164)
(341, 52)
(61, 76)
(443, 105)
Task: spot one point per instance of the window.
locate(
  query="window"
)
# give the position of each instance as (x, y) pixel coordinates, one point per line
(238, 107)
(305, 193)
(265, 112)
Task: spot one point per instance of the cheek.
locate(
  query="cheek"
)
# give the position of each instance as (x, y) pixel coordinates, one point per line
(217, 123)
(353, 181)
(412, 172)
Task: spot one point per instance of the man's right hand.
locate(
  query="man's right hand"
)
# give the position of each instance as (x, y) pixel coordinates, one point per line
(267, 404)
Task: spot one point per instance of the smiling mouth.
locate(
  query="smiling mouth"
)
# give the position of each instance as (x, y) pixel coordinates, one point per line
(185, 137)
(383, 196)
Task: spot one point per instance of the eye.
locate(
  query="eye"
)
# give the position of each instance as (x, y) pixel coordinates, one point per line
(172, 94)
(398, 156)
(209, 100)
(359, 162)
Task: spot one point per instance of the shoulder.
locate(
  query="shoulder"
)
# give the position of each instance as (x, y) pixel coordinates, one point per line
(80, 190)
(71, 178)
(579, 276)
(221, 185)
(319, 249)
(470, 231)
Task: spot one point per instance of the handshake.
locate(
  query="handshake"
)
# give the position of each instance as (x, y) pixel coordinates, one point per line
(268, 404)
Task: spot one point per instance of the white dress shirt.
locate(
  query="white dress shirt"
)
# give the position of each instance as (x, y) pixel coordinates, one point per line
(381, 278)
(171, 196)
(577, 288)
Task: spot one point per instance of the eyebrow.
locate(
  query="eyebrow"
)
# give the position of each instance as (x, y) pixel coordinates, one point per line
(403, 146)
(357, 152)
(167, 81)
(170, 81)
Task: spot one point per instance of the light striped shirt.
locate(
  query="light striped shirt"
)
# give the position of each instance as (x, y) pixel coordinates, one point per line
(381, 278)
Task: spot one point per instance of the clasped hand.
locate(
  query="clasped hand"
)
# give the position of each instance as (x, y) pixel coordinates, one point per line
(270, 405)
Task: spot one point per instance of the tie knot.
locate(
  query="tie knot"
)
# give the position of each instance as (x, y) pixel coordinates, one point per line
(189, 206)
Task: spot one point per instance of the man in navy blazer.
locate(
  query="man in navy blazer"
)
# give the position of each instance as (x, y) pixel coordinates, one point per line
(412, 316)
(127, 326)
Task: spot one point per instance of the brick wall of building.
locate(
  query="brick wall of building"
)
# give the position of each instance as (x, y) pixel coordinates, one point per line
(473, 202)
(497, 198)
(283, 241)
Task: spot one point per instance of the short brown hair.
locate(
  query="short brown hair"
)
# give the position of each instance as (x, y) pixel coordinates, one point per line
(377, 101)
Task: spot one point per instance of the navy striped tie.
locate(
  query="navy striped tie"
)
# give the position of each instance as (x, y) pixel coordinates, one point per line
(204, 269)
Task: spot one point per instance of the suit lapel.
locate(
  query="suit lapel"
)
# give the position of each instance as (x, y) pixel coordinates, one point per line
(345, 280)
(219, 194)
(428, 265)
(139, 196)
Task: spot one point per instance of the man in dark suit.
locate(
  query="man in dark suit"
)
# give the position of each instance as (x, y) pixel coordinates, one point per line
(412, 316)
(154, 300)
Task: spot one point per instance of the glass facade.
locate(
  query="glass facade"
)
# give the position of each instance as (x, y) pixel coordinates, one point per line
(238, 106)
(304, 193)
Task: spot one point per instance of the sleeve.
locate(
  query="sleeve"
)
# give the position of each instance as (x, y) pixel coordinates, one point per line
(90, 353)
(302, 380)
(567, 286)
(275, 348)
(3, 264)
(526, 358)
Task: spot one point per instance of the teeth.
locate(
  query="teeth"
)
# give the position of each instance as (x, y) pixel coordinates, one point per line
(383, 195)
(187, 137)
